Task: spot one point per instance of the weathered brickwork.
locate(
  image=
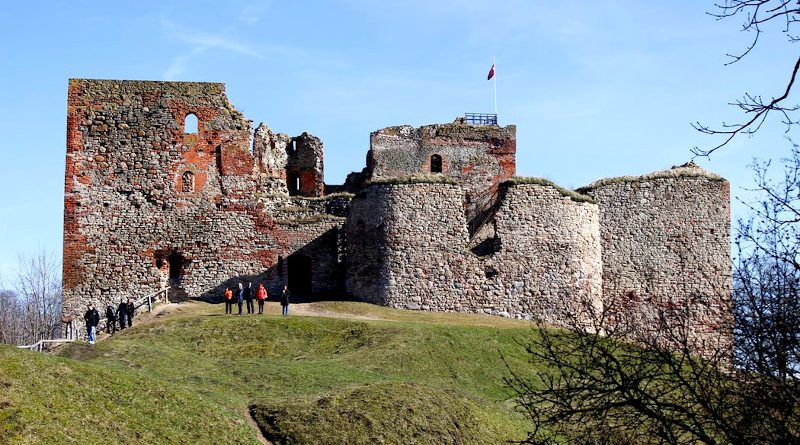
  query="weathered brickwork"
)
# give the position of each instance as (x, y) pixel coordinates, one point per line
(148, 205)
(438, 220)
(478, 157)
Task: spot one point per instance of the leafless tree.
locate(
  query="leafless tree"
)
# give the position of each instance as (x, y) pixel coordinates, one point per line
(598, 387)
(10, 318)
(757, 15)
(38, 289)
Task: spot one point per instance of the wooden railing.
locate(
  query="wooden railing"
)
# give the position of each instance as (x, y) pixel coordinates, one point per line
(152, 299)
(161, 295)
(40, 345)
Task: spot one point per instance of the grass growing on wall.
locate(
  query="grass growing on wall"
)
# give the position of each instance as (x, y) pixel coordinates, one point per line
(689, 170)
(573, 195)
(415, 179)
(190, 376)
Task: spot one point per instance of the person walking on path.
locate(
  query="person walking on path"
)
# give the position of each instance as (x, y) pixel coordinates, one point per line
(92, 318)
(261, 295)
(248, 296)
(122, 309)
(228, 301)
(129, 312)
(285, 300)
(111, 318)
(240, 298)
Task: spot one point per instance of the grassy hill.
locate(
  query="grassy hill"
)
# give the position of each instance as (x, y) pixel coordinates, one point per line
(192, 376)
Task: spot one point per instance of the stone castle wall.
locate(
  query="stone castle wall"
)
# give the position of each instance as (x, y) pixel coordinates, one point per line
(477, 157)
(665, 243)
(149, 205)
(412, 251)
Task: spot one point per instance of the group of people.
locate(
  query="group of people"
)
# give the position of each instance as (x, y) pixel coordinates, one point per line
(125, 310)
(122, 313)
(245, 294)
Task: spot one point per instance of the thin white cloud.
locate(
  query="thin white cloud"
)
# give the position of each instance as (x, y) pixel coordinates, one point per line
(199, 43)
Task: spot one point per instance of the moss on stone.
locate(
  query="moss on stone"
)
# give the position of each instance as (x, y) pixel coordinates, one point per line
(313, 219)
(414, 179)
(688, 170)
(329, 197)
(571, 194)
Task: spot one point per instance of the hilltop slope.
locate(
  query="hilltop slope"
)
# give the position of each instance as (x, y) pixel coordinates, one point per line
(191, 376)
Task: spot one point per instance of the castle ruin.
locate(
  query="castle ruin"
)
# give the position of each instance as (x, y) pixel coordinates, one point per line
(167, 184)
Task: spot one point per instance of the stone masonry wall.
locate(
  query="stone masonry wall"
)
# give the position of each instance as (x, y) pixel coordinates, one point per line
(548, 259)
(411, 252)
(478, 157)
(148, 205)
(666, 252)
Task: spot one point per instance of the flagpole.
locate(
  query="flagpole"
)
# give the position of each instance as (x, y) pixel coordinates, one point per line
(495, 84)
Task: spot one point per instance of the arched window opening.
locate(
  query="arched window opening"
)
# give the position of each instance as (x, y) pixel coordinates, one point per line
(187, 182)
(436, 164)
(190, 124)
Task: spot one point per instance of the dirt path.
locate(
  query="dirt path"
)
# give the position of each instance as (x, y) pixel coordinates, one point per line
(255, 426)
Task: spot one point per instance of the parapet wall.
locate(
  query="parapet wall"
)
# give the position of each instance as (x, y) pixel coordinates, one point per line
(666, 252)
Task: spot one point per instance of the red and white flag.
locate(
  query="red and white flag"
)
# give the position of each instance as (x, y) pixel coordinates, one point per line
(491, 73)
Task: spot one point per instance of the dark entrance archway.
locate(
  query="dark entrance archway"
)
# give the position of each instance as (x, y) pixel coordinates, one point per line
(300, 276)
(177, 263)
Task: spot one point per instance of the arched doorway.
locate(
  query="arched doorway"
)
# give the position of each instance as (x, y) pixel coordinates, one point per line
(176, 262)
(299, 276)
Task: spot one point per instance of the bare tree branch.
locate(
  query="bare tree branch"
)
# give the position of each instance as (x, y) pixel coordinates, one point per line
(756, 13)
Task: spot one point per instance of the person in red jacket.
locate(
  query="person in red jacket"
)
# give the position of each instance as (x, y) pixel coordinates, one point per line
(261, 295)
(228, 301)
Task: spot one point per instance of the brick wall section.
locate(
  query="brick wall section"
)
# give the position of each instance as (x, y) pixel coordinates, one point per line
(305, 163)
(129, 208)
(408, 248)
(666, 249)
(478, 157)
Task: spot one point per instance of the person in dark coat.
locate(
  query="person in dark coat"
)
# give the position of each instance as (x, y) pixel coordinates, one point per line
(122, 313)
(111, 318)
(248, 296)
(285, 300)
(129, 312)
(92, 318)
(240, 298)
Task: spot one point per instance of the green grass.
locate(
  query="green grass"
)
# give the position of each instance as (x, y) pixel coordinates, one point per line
(688, 170)
(431, 178)
(402, 413)
(190, 376)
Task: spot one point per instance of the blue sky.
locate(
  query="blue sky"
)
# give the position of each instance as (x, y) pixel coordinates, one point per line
(596, 88)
